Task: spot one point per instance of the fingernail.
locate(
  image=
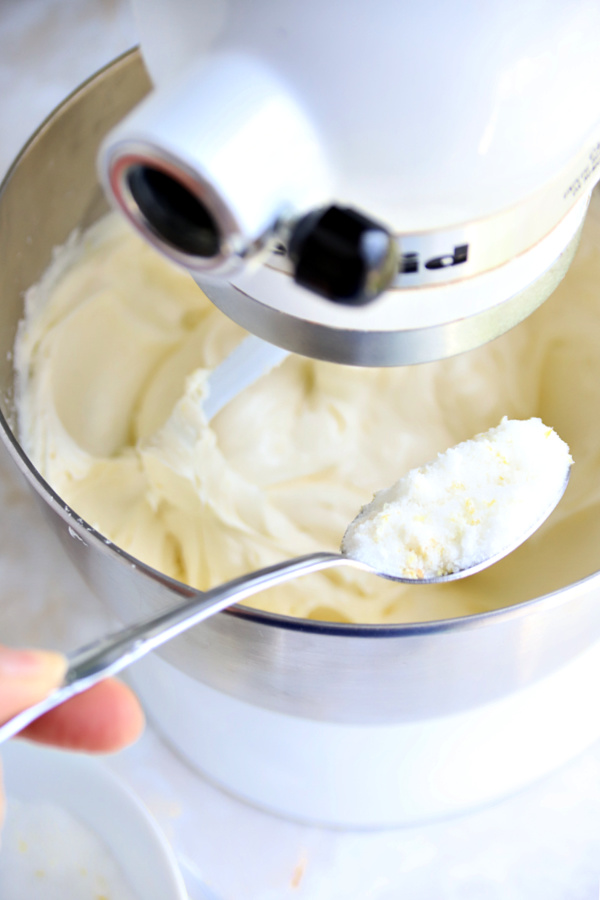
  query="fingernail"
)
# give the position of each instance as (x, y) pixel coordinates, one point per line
(33, 664)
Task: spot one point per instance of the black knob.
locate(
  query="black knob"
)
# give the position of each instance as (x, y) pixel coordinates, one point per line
(342, 255)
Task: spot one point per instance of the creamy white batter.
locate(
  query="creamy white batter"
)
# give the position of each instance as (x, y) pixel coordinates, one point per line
(112, 360)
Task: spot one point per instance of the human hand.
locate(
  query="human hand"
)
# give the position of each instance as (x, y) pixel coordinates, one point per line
(105, 718)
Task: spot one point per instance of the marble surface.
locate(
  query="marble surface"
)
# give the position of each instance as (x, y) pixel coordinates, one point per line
(544, 843)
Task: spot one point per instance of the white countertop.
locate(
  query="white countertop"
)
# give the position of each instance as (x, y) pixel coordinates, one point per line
(541, 845)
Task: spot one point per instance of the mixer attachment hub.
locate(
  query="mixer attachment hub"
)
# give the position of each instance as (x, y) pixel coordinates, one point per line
(173, 212)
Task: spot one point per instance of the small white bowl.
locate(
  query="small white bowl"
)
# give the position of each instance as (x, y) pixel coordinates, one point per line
(85, 790)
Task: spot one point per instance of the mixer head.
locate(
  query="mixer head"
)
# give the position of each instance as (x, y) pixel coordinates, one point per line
(372, 184)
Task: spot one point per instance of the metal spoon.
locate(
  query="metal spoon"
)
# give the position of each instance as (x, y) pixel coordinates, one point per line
(114, 652)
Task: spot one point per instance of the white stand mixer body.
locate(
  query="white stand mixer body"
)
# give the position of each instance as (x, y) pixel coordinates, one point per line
(472, 132)
(430, 114)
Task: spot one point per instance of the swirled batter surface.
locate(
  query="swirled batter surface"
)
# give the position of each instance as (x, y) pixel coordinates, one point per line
(112, 359)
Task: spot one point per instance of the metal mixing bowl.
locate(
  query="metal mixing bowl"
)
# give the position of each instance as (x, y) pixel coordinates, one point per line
(352, 675)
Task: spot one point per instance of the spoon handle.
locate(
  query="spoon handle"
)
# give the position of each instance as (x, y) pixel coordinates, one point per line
(114, 652)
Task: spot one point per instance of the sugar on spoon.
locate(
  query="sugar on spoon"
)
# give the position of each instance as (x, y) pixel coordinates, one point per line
(463, 512)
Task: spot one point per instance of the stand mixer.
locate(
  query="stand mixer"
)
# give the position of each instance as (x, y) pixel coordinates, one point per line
(373, 184)
(465, 142)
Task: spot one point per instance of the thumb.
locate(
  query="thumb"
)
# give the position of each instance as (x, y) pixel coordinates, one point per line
(27, 676)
